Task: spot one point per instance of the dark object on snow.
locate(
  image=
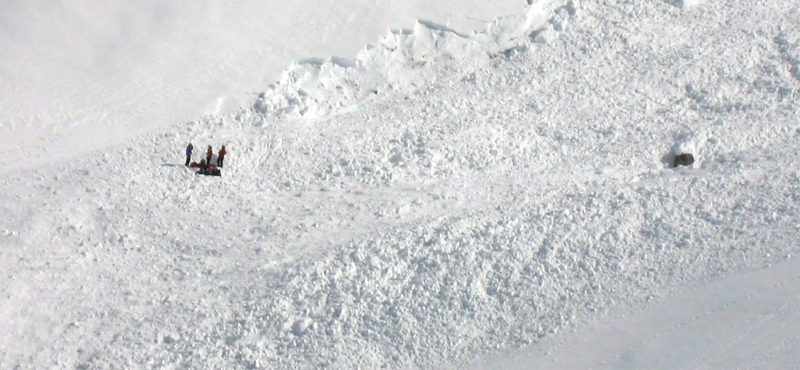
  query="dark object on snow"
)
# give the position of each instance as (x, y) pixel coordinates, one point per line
(684, 159)
(211, 171)
(206, 169)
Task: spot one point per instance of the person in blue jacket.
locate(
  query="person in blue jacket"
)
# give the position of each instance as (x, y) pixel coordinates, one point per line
(189, 154)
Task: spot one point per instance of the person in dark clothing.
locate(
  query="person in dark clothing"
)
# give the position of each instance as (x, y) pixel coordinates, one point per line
(209, 154)
(221, 156)
(189, 154)
(203, 167)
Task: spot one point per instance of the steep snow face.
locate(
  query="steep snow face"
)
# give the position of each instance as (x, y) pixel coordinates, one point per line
(395, 65)
(78, 76)
(487, 208)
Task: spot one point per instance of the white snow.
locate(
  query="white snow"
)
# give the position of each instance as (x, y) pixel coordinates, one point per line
(471, 194)
(749, 320)
(78, 75)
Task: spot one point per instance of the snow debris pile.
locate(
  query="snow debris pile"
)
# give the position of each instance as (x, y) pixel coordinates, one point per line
(450, 288)
(480, 211)
(320, 87)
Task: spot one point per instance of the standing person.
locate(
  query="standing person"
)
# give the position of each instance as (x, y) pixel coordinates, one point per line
(221, 156)
(189, 154)
(209, 154)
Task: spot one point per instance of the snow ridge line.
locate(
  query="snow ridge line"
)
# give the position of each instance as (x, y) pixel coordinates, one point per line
(315, 88)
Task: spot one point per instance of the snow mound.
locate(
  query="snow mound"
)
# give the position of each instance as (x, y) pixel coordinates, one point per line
(315, 88)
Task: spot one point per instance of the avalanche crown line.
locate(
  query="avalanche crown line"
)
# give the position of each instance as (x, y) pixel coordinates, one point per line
(316, 88)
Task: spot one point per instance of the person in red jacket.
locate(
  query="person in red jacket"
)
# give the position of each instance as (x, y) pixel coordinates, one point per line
(221, 156)
(209, 154)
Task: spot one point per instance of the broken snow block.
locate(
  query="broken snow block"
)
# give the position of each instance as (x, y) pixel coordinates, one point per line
(684, 159)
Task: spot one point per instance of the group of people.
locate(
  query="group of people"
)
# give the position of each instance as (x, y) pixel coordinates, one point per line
(209, 154)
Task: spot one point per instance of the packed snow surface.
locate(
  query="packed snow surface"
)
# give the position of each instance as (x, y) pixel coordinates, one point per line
(496, 198)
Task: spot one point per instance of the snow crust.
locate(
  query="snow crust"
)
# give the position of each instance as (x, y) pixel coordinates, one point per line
(504, 191)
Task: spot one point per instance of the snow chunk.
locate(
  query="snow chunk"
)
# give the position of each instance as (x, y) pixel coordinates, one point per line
(299, 327)
(546, 35)
(690, 3)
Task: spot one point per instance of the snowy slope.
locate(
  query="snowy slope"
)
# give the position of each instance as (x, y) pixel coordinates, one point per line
(506, 204)
(746, 321)
(77, 76)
